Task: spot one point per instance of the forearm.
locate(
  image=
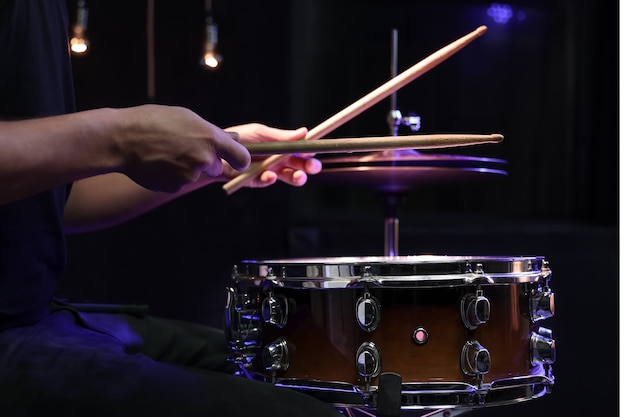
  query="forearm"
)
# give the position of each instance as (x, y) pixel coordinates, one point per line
(124, 162)
(39, 154)
(106, 200)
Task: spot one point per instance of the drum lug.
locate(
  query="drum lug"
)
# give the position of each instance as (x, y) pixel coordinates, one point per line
(276, 355)
(275, 310)
(475, 309)
(368, 360)
(541, 304)
(475, 359)
(546, 272)
(542, 347)
(477, 273)
(365, 277)
(239, 324)
(368, 312)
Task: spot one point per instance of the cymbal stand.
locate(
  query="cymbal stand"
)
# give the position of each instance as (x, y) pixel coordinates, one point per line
(391, 200)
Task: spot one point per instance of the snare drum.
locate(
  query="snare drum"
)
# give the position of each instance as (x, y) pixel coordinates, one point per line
(447, 331)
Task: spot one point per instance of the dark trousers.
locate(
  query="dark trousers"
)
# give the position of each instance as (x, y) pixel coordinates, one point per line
(118, 365)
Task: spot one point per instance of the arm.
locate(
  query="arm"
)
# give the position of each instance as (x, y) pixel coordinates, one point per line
(161, 148)
(110, 199)
(39, 154)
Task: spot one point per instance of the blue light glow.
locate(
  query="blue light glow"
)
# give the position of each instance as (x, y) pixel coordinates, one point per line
(500, 13)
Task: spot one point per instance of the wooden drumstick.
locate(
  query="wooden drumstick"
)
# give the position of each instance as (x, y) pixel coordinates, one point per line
(360, 105)
(432, 141)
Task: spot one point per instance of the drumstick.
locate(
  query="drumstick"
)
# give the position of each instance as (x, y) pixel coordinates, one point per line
(361, 105)
(369, 144)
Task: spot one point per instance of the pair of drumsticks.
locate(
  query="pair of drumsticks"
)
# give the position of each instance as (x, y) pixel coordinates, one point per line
(278, 150)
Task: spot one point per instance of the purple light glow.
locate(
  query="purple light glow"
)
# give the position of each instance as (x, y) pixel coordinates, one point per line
(500, 13)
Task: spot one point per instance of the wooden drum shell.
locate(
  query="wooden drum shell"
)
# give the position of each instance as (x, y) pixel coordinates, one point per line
(323, 334)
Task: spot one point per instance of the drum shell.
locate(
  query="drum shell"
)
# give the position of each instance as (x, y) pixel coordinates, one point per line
(323, 335)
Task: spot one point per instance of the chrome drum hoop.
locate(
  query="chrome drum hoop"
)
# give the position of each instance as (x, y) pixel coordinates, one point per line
(395, 271)
(425, 396)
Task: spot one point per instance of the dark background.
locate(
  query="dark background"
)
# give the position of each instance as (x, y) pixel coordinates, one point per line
(547, 81)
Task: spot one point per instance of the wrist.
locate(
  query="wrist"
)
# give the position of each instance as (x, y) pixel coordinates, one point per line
(113, 127)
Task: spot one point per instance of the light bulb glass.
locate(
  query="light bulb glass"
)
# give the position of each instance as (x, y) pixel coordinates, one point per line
(78, 45)
(211, 61)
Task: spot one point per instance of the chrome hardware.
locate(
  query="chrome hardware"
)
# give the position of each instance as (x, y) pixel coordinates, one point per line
(275, 310)
(240, 325)
(368, 360)
(366, 275)
(243, 358)
(475, 359)
(368, 312)
(478, 268)
(478, 273)
(475, 309)
(231, 319)
(542, 347)
(395, 119)
(546, 272)
(541, 304)
(545, 332)
(235, 272)
(420, 335)
(276, 355)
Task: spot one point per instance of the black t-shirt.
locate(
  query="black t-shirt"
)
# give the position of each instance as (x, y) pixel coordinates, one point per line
(35, 81)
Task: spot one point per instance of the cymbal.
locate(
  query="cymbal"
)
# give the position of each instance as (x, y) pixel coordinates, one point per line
(398, 171)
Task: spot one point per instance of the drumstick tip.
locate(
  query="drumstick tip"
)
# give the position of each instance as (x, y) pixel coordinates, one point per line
(481, 29)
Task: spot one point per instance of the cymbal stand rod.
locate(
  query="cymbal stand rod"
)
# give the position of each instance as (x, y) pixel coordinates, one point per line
(395, 117)
(392, 222)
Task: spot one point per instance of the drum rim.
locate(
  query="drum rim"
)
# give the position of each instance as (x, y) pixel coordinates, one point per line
(404, 259)
(533, 386)
(392, 271)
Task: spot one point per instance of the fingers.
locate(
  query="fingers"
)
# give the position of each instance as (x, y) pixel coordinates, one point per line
(288, 135)
(308, 165)
(289, 176)
(256, 132)
(231, 150)
(312, 166)
(294, 171)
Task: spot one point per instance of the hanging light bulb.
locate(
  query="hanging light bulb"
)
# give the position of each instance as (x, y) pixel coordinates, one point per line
(78, 42)
(211, 58)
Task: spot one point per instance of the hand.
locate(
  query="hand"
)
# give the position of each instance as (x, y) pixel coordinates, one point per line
(166, 148)
(293, 170)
